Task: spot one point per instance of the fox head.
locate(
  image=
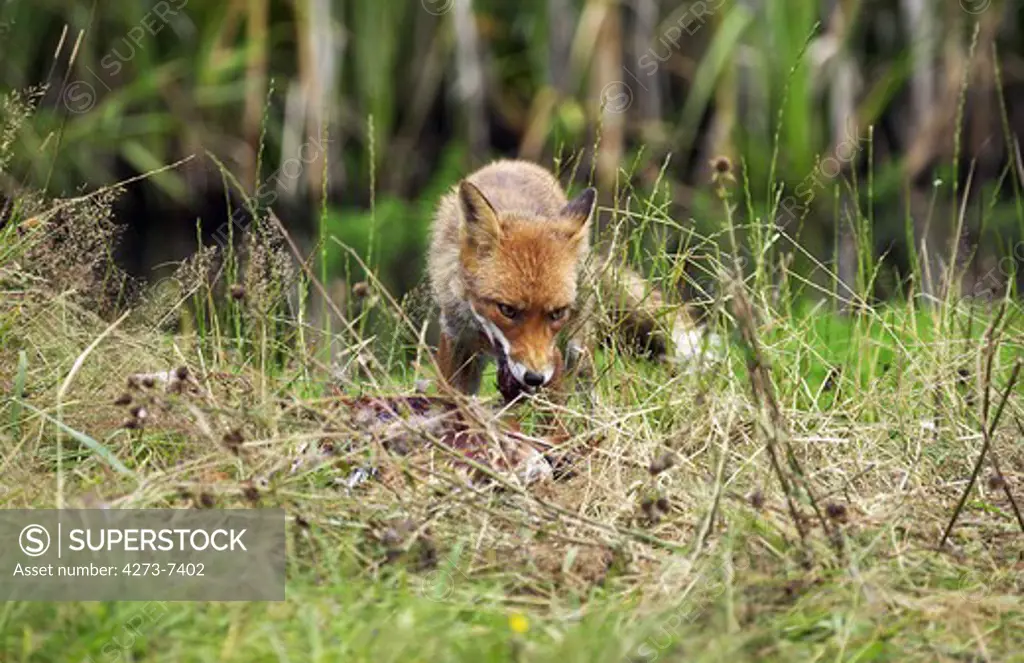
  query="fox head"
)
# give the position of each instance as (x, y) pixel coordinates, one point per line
(521, 274)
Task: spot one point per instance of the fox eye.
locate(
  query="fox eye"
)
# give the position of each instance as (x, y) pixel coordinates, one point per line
(509, 311)
(558, 314)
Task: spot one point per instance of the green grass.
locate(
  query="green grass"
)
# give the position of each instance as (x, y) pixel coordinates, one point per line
(917, 607)
(570, 570)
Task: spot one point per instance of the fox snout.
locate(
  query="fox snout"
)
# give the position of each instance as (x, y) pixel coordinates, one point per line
(528, 350)
(533, 373)
(531, 379)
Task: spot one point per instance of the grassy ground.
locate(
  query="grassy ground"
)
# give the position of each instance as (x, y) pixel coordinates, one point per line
(880, 410)
(786, 504)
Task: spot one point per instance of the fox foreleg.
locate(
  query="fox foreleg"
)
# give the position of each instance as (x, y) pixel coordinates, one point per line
(461, 364)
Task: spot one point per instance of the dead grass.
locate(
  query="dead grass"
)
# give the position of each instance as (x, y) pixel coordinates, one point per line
(257, 422)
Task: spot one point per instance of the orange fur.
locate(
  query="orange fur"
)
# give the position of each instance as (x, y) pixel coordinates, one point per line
(505, 258)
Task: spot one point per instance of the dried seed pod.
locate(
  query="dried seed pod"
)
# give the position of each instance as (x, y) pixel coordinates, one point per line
(251, 494)
(721, 171)
(662, 463)
(649, 507)
(233, 440)
(836, 511)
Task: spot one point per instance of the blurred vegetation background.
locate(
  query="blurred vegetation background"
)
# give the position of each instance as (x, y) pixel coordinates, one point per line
(842, 118)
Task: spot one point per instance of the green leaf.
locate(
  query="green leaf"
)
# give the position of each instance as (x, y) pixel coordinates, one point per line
(724, 44)
(97, 448)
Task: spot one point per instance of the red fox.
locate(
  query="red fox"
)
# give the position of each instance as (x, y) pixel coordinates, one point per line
(505, 257)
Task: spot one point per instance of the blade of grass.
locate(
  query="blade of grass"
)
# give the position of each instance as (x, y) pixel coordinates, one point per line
(19, 393)
(97, 447)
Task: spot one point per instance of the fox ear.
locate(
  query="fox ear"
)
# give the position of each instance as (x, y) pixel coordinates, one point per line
(479, 219)
(580, 209)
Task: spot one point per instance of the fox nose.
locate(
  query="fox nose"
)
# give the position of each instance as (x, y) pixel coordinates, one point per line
(533, 379)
